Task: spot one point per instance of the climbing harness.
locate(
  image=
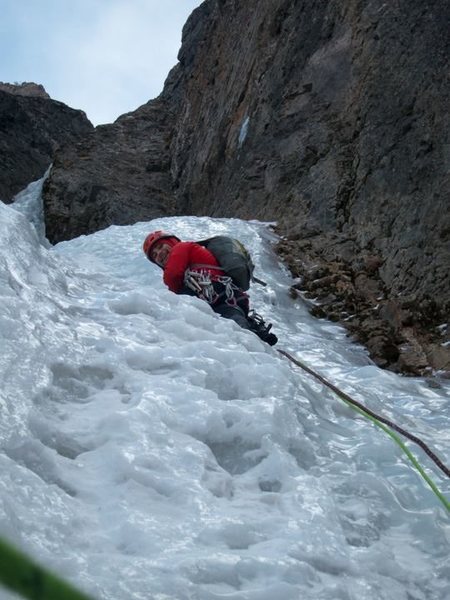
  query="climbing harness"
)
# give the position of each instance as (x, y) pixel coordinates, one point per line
(386, 425)
(202, 283)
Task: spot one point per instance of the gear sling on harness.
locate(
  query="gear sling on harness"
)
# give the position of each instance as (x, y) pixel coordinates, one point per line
(203, 284)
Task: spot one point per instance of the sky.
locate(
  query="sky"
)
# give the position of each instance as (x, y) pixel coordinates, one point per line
(105, 57)
(152, 449)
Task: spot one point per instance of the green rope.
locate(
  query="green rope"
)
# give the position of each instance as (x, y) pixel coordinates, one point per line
(408, 453)
(372, 417)
(23, 576)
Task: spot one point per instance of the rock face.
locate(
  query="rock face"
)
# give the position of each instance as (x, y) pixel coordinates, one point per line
(408, 333)
(27, 88)
(118, 174)
(32, 127)
(329, 117)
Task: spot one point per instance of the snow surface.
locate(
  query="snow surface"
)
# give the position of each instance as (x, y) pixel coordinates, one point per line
(150, 449)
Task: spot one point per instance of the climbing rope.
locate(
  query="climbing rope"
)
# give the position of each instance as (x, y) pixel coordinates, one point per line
(23, 576)
(384, 424)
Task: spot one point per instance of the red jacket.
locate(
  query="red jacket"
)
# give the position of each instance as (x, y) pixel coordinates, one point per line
(185, 255)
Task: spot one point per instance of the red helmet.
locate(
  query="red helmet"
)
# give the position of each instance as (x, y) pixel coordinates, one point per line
(154, 237)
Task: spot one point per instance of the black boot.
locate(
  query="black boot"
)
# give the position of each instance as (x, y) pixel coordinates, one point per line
(257, 325)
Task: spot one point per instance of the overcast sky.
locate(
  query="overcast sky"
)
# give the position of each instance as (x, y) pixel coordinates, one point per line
(106, 57)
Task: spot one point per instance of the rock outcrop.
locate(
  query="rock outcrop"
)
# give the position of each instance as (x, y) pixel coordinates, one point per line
(329, 117)
(32, 128)
(408, 333)
(27, 88)
(118, 174)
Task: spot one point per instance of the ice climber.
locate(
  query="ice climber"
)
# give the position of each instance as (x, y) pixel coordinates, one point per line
(190, 268)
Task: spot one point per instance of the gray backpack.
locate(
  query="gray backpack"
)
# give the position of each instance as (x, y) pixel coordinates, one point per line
(233, 257)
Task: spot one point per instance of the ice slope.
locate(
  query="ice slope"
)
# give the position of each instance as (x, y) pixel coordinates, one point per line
(150, 449)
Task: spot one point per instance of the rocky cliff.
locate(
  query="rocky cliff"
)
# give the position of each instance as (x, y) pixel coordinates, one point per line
(118, 175)
(32, 127)
(27, 88)
(330, 118)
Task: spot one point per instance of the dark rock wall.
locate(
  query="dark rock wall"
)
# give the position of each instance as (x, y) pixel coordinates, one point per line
(348, 125)
(119, 174)
(32, 128)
